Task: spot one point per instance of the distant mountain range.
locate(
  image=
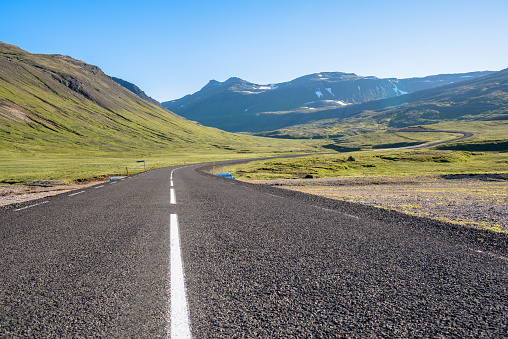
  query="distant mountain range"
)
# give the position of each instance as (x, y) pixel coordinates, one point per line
(483, 98)
(237, 105)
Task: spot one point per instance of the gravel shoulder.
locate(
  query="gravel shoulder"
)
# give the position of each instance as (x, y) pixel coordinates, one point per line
(15, 194)
(479, 201)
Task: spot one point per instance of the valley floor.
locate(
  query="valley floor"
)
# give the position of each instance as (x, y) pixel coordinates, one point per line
(475, 201)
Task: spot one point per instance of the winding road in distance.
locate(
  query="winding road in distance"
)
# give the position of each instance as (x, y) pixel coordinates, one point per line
(177, 253)
(464, 136)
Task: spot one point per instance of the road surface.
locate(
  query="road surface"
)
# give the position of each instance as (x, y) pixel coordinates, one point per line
(174, 252)
(432, 144)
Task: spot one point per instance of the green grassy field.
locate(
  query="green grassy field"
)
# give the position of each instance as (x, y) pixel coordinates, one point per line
(26, 161)
(375, 163)
(18, 167)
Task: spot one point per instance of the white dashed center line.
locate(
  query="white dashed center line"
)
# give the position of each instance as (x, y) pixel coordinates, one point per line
(172, 199)
(180, 327)
(70, 195)
(23, 208)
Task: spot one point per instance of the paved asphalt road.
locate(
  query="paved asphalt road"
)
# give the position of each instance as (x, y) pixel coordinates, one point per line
(258, 262)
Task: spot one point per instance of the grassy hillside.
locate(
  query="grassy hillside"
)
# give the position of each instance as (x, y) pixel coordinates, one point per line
(55, 109)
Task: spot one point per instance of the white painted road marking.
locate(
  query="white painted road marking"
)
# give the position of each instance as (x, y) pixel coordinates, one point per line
(23, 208)
(70, 195)
(172, 199)
(171, 183)
(180, 327)
(99, 186)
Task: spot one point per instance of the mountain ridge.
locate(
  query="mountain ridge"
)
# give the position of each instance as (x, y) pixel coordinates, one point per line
(135, 89)
(480, 99)
(236, 104)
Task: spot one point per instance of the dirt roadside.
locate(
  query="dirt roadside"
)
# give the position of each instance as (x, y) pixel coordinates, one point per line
(15, 194)
(479, 201)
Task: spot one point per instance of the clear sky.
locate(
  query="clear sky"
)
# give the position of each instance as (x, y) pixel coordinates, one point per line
(172, 48)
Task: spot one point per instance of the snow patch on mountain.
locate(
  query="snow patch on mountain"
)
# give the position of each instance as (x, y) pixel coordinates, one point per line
(333, 102)
(318, 93)
(250, 92)
(398, 91)
(330, 91)
(269, 87)
(337, 102)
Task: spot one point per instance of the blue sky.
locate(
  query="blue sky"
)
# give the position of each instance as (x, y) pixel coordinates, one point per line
(173, 48)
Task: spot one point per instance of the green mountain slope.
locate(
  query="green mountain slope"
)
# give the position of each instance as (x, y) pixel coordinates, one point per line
(238, 105)
(52, 103)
